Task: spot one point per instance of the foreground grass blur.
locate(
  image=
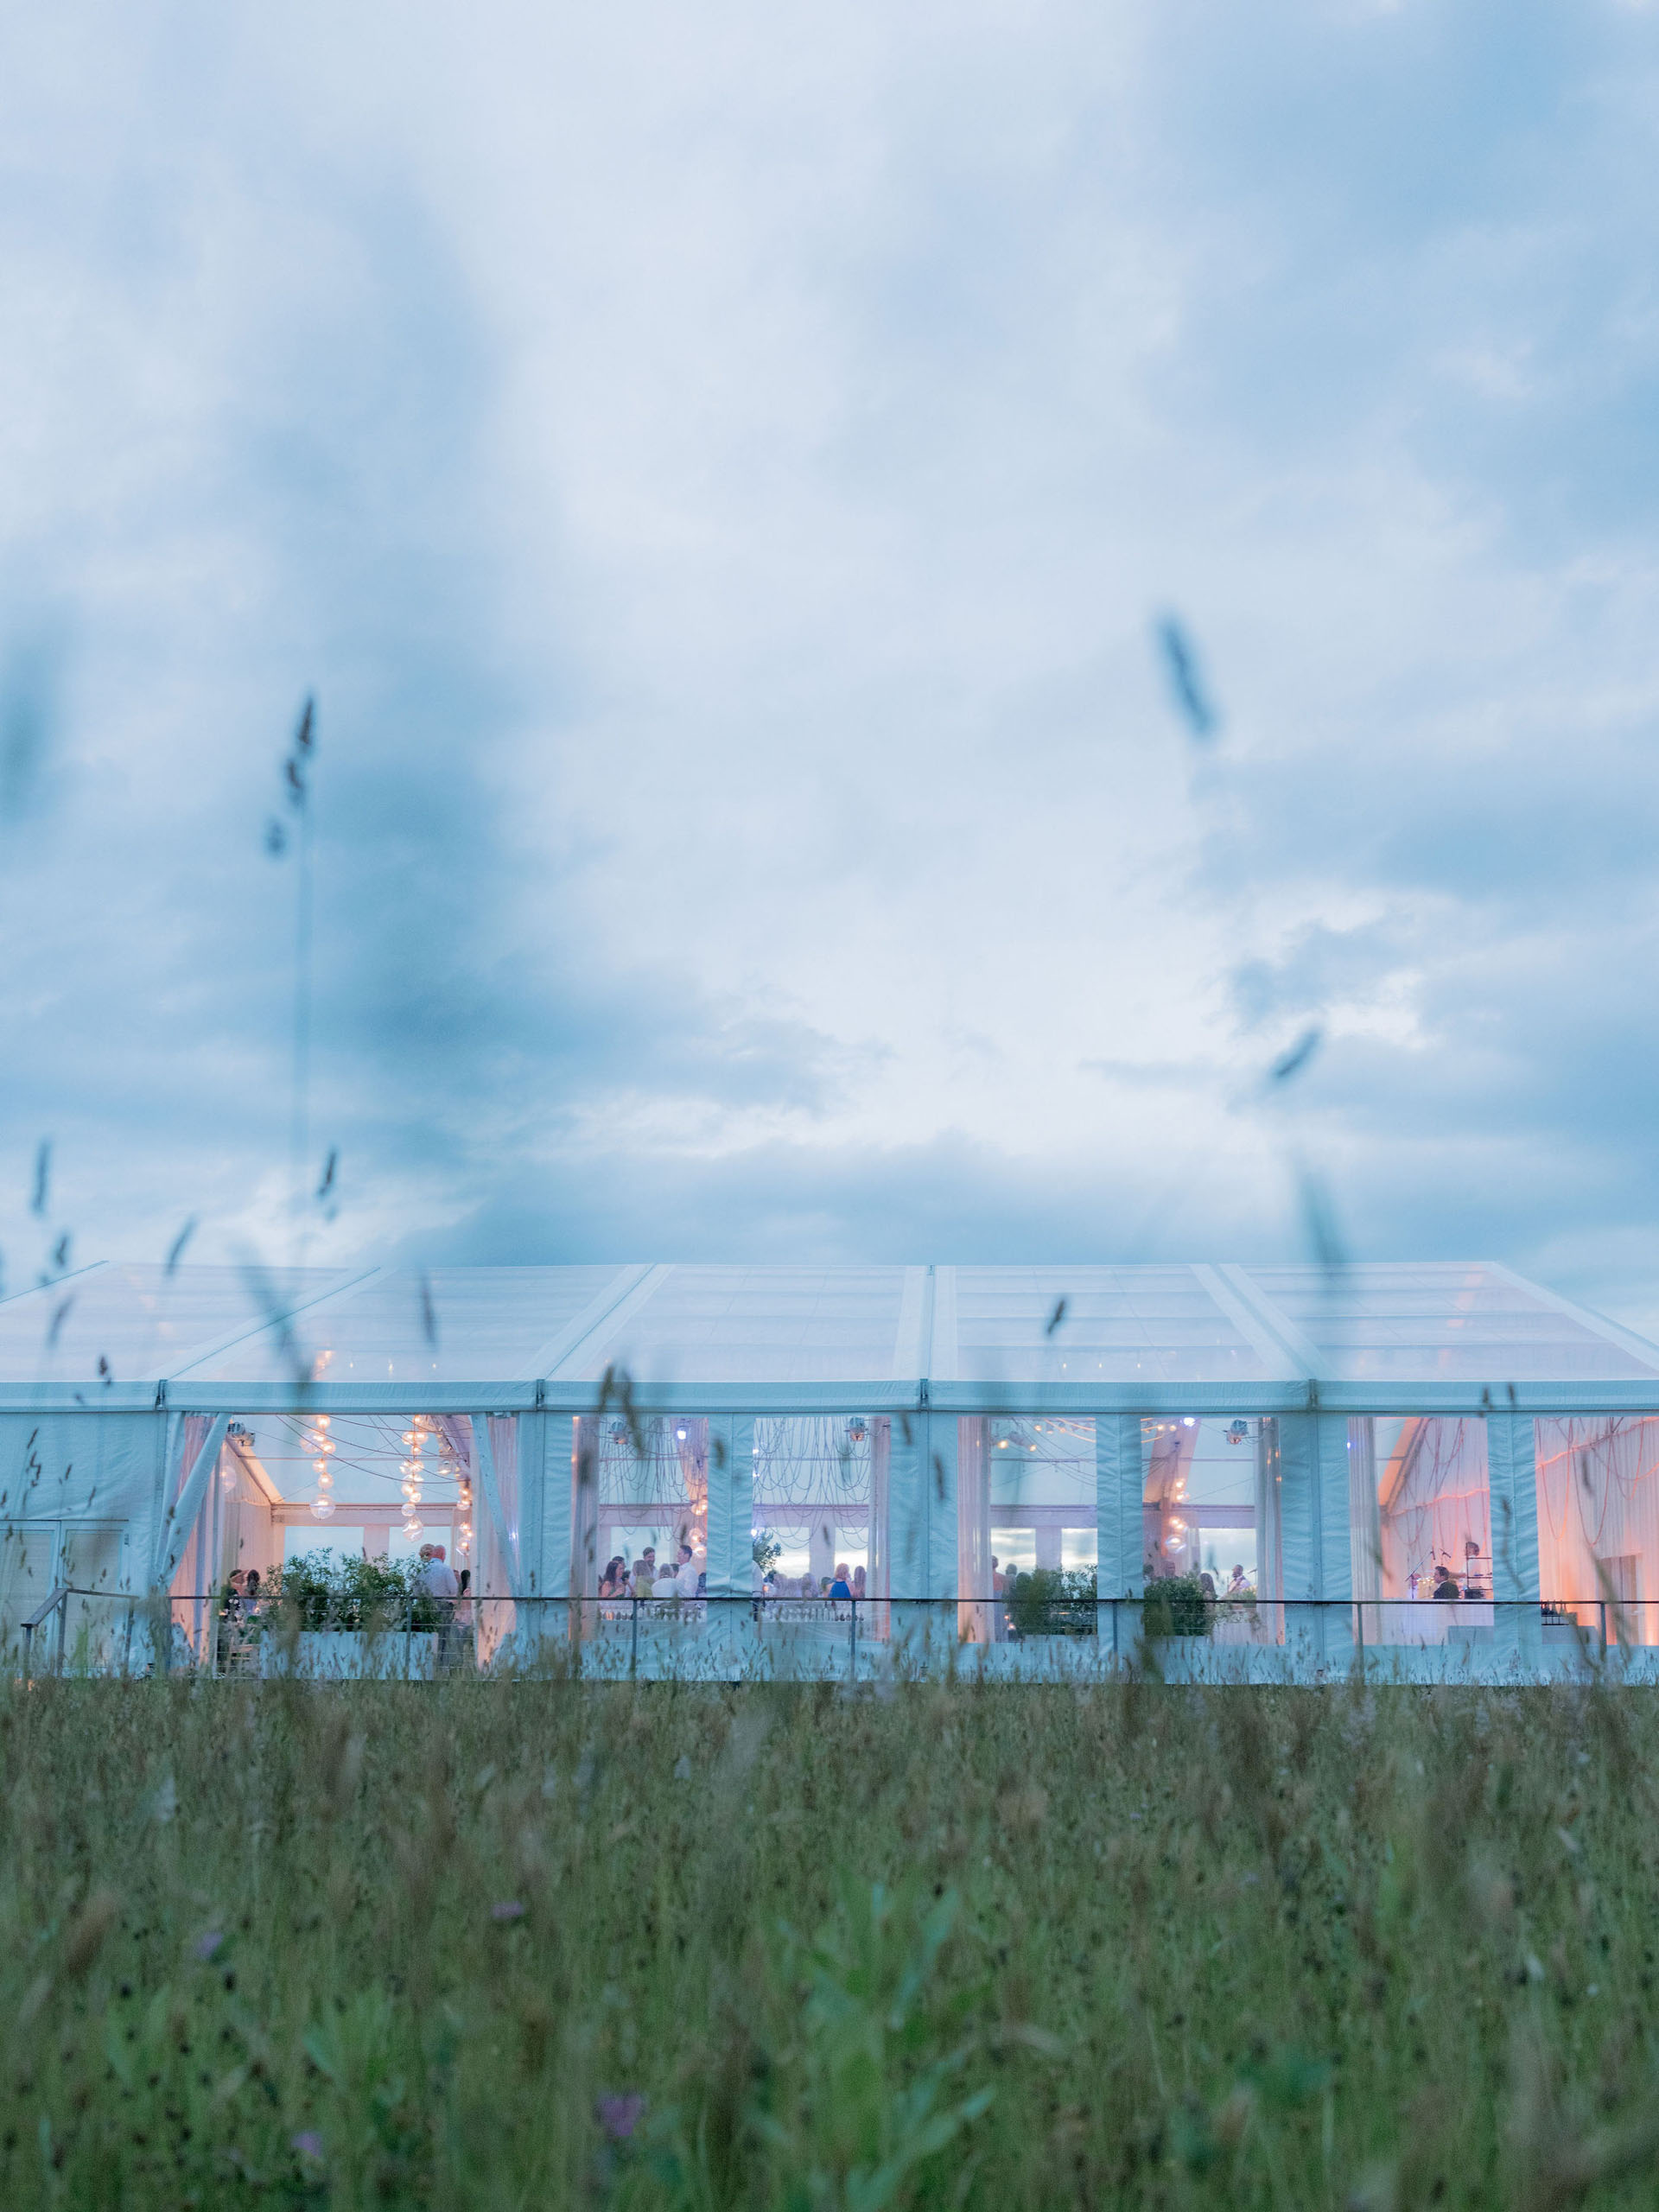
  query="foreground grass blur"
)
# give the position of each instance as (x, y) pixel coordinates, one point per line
(543, 1944)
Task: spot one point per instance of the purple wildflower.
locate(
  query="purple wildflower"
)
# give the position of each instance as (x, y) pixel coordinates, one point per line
(205, 1946)
(620, 2116)
(510, 1911)
(307, 2141)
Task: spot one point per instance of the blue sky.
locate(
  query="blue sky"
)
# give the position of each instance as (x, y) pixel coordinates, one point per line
(720, 475)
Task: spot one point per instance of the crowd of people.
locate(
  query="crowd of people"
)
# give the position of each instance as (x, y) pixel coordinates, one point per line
(684, 1576)
(685, 1580)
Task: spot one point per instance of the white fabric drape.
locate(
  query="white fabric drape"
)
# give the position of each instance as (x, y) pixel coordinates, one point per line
(975, 1622)
(1598, 1490)
(194, 1454)
(494, 1455)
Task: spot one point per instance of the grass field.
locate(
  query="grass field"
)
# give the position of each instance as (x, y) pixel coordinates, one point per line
(542, 1944)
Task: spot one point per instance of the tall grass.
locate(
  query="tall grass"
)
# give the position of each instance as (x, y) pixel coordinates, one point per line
(543, 1944)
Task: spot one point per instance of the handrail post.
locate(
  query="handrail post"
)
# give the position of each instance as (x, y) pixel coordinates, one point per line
(409, 1638)
(851, 1645)
(63, 1628)
(633, 1636)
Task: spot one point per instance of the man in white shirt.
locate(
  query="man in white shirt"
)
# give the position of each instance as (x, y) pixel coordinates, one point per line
(439, 1580)
(686, 1581)
(439, 1577)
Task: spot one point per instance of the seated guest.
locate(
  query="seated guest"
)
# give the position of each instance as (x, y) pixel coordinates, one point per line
(1446, 1585)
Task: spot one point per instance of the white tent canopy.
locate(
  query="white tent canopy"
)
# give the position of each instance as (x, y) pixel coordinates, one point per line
(1358, 1435)
(1384, 1337)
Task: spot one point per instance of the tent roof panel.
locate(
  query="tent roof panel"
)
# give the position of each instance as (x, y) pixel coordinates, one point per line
(683, 1327)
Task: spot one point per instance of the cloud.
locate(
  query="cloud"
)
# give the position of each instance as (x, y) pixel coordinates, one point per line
(718, 482)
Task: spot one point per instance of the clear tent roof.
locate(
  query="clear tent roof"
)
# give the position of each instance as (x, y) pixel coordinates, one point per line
(207, 1331)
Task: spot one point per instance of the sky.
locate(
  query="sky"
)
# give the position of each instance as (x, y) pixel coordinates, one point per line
(721, 474)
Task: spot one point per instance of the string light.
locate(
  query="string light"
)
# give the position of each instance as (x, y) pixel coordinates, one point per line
(317, 1446)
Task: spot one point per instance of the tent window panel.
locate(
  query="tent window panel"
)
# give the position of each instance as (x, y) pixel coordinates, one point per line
(95, 1623)
(1028, 1508)
(813, 1498)
(1204, 1512)
(27, 1555)
(652, 1484)
(1598, 1523)
(1421, 1518)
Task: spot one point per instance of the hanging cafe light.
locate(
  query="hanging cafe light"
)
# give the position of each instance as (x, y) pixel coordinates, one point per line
(413, 1470)
(318, 1445)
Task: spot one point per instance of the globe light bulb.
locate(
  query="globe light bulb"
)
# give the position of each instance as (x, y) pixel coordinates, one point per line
(322, 1508)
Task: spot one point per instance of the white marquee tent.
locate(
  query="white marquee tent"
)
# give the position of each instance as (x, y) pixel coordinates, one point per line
(1340, 1444)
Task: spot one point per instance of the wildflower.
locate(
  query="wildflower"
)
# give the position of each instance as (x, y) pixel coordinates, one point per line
(619, 2115)
(205, 1946)
(308, 2143)
(510, 1910)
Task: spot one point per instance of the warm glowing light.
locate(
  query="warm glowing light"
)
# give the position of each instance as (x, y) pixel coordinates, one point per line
(322, 1509)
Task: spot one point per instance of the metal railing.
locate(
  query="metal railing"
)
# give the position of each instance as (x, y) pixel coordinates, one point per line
(119, 1634)
(58, 1604)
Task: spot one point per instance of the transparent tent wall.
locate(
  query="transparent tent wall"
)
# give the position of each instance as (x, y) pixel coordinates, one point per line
(1027, 1537)
(1210, 1519)
(1420, 1527)
(812, 1487)
(1598, 1480)
(648, 1496)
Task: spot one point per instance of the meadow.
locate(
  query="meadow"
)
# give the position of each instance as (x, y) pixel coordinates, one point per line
(543, 1943)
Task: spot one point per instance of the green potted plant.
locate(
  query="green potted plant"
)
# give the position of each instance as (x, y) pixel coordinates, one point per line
(1053, 1601)
(1176, 1606)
